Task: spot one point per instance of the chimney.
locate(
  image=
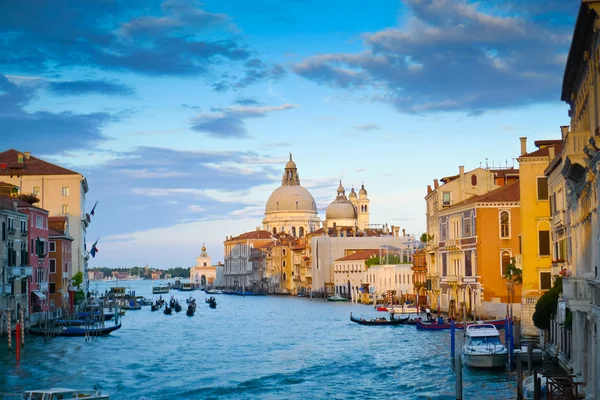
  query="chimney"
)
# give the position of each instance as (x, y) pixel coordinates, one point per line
(429, 189)
(551, 153)
(20, 158)
(523, 145)
(435, 184)
(563, 131)
(461, 170)
(27, 155)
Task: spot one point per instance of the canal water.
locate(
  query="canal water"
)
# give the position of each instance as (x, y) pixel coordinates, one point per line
(250, 348)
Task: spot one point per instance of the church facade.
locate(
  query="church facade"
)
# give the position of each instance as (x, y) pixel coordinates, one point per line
(203, 273)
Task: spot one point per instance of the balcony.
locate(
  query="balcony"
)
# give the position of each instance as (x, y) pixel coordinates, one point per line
(17, 272)
(557, 266)
(577, 294)
(11, 230)
(44, 287)
(450, 278)
(24, 232)
(65, 275)
(453, 244)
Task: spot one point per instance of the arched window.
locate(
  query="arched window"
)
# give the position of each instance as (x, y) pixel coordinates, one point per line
(365, 208)
(284, 277)
(504, 225)
(274, 231)
(505, 261)
(473, 180)
(294, 230)
(301, 231)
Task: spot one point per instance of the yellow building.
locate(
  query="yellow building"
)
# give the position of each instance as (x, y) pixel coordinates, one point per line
(535, 260)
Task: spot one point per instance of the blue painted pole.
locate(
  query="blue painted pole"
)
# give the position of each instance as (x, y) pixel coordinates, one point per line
(511, 342)
(506, 332)
(452, 329)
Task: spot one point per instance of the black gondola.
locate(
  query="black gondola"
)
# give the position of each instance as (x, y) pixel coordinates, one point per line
(177, 307)
(212, 304)
(382, 321)
(190, 311)
(167, 310)
(154, 307)
(72, 330)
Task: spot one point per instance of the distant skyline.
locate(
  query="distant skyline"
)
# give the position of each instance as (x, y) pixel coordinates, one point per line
(182, 114)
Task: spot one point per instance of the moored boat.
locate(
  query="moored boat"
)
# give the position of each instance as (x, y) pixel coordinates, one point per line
(483, 348)
(63, 393)
(160, 289)
(213, 291)
(336, 298)
(379, 321)
(436, 326)
(73, 330)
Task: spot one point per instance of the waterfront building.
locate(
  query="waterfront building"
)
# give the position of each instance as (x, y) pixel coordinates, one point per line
(61, 192)
(478, 238)
(419, 268)
(244, 261)
(279, 264)
(326, 248)
(15, 269)
(394, 278)
(455, 189)
(349, 272)
(60, 291)
(291, 208)
(535, 260)
(576, 171)
(203, 273)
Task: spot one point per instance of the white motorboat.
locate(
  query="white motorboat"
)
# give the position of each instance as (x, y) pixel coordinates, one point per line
(213, 291)
(336, 298)
(482, 348)
(62, 393)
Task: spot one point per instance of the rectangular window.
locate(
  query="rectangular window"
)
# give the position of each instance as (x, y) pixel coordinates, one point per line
(39, 222)
(446, 200)
(52, 247)
(36, 190)
(3, 231)
(444, 264)
(544, 243)
(52, 287)
(65, 190)
(468, 265)
(65, 209)
(467, 226)
(545, 280)
(32, 247)
(542, 188)
(52, 266)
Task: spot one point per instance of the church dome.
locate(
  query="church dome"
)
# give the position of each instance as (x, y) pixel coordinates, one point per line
(353, 194)
(362, 192)
(340, 209)
(291, 198)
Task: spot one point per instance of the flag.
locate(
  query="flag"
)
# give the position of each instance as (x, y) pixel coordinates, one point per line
(93, 208)
(94, 249)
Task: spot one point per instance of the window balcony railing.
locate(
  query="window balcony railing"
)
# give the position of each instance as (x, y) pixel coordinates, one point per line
(11, 230)
(558, 218)
(6, 289)
(24, 232)
(20, 272)
(575, 290)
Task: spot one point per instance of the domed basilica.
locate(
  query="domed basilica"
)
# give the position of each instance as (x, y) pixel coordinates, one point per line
(291, 208)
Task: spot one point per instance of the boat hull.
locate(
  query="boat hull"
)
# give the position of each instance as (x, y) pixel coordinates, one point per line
(73, 331)
(477, 360)
(428, 326)
(379, 323)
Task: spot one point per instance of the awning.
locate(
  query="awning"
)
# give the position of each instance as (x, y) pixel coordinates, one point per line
(39, 294)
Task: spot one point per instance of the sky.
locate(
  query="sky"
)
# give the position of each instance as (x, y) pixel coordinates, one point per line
(182, 114)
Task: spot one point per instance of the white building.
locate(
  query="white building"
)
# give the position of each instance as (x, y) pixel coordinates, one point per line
(349, 272)
(382, 278)
(203, 273)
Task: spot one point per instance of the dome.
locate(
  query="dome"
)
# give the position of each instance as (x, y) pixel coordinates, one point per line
(340, 208)
(290, 164)
(362, 191)
(353, 194)
(291, 198)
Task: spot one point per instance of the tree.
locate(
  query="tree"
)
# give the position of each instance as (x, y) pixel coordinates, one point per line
(514, 277)
(29, 198)
(546, 305)
(425, 238)
(77, 279)
(389, 259)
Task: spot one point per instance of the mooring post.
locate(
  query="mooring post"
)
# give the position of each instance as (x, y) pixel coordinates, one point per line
(9, 331)
(511, 343)
(536, 386)
(529, 357)
(519, 379)
(458, 372)
(452, 344)
(18, 338)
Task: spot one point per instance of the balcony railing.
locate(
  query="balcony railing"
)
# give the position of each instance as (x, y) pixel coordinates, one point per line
(575, 290)
(558, 219)
(5, 289)
(561, 338)
(20, 271)
(11, 229)
(450, 278)
(23, 232)
(44, 286)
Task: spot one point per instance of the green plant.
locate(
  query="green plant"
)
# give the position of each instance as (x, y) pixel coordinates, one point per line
(389, 259)
(77, 279)
(425, 238)
(546, 305)
(29, 198)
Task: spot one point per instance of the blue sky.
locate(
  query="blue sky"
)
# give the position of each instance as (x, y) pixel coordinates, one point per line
(182, 114)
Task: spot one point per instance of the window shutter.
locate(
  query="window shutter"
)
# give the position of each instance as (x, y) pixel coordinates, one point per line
(544, 239)
(542, 188)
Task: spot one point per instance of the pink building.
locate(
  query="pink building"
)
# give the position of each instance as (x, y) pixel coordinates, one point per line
(37, 235)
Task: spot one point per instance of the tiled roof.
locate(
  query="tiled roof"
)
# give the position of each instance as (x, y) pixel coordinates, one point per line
(253, 235)
(57, 218)
(52, 232)
(506, 171)
(543, 152)
(32, 166)
(360, 255)
(508, 193)
(8, 202)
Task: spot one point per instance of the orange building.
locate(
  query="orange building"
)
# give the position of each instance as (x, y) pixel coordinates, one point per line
(60, 259)
(478, 239)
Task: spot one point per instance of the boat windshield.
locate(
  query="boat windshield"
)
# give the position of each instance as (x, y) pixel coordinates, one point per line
(485, 340)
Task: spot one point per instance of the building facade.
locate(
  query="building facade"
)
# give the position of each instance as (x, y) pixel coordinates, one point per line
(395, 278)
(349, 273)
(59, 263)
(203, 274)
(61, 192)
(244, 266)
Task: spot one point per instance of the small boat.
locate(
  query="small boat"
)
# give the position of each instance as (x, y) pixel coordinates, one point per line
(379, 321)
(336, 298)
(142, 301)
(483, 348)
(213, 291)
(190, 311)
(72, 330)
(186, 287)
(178, 307)
(66, 394)
(154, 307)
(190, 300)
(160, 289)
(212, 304)
(436, 326)
(168, 310)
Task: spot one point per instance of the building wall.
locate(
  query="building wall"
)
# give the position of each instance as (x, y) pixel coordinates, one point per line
(348, 277)
(490, 248)
(51, 199)
(291, 221)
(39, 262)
(382, 278)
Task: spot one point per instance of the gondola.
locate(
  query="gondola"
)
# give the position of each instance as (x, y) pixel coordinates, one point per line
(177, 307)
(73, 330)
(190, 311)
(212, 304)
(154, 307)
(167, 310)
(392, 322)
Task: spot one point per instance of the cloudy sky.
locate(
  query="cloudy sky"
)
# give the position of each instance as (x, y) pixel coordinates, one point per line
(182, 114)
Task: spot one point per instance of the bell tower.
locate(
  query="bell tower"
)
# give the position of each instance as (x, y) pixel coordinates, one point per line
(362, 208)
